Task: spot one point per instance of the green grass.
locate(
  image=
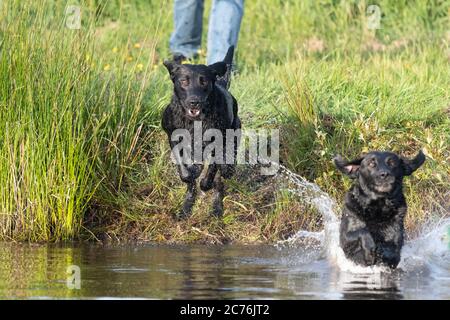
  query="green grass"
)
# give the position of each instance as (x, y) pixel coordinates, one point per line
(82, 154)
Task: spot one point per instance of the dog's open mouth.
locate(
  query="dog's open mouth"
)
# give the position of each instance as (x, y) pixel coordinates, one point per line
(384, 187)
(194, 112)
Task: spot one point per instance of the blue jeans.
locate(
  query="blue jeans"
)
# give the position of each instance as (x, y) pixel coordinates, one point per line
(224, 25)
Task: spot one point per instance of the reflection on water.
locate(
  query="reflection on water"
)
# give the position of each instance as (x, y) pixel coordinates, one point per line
(195, 272)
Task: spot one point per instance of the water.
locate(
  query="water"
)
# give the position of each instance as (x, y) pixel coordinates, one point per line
(309, 265)
(199, 272)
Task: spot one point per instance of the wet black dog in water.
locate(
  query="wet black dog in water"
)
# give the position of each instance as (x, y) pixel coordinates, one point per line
(371, 230)
(201, 99)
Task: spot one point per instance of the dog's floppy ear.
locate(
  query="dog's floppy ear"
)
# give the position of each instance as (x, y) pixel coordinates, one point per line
(350, 168)
(411, 165)
(218, 68)
(171, 66)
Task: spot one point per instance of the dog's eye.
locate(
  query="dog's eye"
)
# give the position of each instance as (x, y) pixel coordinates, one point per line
(184, 82)
(391, 163)
(372, 164)
(203, 81)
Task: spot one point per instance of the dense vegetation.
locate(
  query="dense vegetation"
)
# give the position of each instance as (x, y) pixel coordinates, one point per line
(82, 154)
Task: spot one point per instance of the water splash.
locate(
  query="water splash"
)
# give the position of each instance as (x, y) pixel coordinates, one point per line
(429, 251)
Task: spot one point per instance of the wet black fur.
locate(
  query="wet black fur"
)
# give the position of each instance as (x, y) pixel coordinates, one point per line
(372, 229)
(214, 115)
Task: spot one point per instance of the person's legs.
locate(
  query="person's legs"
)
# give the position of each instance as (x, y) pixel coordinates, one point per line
(187, 35)
(224, 25)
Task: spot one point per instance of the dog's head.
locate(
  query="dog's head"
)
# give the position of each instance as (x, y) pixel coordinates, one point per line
(193, 85)
(380, 172)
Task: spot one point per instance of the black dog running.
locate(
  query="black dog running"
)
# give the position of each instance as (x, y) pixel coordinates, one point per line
(371, 230)
(200, 94)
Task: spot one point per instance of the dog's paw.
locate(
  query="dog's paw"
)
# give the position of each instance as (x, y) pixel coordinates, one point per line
(390, 257)
(194, 171)
(217, 211)
(189, 174)
(187, 178)
(369, 247)
(206, 184)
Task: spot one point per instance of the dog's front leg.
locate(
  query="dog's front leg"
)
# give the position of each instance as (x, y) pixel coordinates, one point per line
(187, 170)
(228, 168)
(359, 246)
(389, 254)
(208, 181)
(356, 241)
(189, 200)
(219, 193)
(389, 251)
(188, 174)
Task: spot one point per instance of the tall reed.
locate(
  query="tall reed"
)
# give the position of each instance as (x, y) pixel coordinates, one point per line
(67, 131)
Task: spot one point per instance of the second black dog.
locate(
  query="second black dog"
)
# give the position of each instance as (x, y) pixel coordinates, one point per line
(371, 230)
(201, 96)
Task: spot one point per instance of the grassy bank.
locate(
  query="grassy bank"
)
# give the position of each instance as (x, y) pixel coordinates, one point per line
(82, 154)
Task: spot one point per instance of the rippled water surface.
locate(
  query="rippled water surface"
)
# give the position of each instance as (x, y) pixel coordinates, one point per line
(211, 272)
(308, 265)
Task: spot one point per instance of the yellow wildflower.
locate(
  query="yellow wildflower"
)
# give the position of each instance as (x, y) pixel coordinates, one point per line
(106, 67)
(201, 52)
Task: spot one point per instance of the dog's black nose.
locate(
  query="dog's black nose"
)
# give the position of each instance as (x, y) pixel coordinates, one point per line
(194, 102)
(384, 174)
